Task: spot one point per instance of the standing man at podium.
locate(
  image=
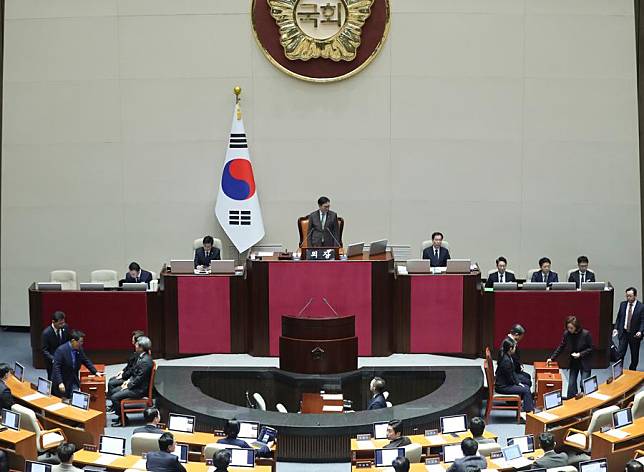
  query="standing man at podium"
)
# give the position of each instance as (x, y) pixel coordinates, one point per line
(323, 226)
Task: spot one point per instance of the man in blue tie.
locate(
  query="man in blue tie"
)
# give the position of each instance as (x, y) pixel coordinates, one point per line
(67, 361)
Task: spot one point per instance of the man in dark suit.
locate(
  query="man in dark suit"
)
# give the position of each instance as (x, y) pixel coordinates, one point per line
(231, 431)
(629, 326)
(324, 230)
(515, 335)
(207, 253)
(6, 399)
(395, 436)
(114, 383)
(152, 418)
(378, 400)
(581, 275)
(550, 458)
(52, 337)
(470, 460)
(545, 274)
(501, 275)
(67, 361)
(163, 460)
(135, 274)
(137, 385)
(436, 253)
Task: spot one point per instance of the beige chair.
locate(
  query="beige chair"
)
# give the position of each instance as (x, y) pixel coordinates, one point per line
(582, 440)
(487, 449)
(199, 243)
(532, 271)
(109, 278)
(259, 401)
(413, 452)
(67, 279)
(46, 439)
(154, 275)
(144, 442)
(212, 448)
(638, 405)
(428, 243)
(281, 408)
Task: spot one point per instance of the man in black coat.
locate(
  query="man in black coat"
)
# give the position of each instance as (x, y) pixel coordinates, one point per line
(378, 400)
(136, 275)
(52, 337)
(501, 275)
(324, 229)
(68, 359)
(436, 253)
(629, 326)
(152, 418)
(137, 385)
(582, 274)
(6, 399)
(207, 253)
(163, 460)
(115, 382)
(516, 335)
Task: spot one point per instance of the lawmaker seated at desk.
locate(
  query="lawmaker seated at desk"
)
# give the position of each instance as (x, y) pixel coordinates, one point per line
(470, 460)
(477, 429)
(164, 460)
(401, 464)
(501, 275)
(507, 382)
(436, 253)
(6, 399)
(545, 274)
(377, 388)
(65, 453)
(68, 359)
(324, 229)
(152, 418)
(221, 460)
(582, 274)
(136, 275)
(114, 383)
(207, 253)
(394, 434)
(231, 430)
(550, 458)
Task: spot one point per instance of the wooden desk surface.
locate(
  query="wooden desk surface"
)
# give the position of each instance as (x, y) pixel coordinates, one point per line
(635, 430)
(199, 439)
(83, 457)
(315, 402)
(21, 443)
(364, 257)
(425, 441)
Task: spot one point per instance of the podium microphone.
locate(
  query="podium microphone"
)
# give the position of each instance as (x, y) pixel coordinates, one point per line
(333, 236)
(306, 306)
(308, 233)
(329, 305)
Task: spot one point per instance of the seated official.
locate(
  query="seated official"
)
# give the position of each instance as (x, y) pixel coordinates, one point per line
(545, 274)
(6, 399)
(138, 384)
(68, 359)
(65, 453)
(221, 460)
(401, 464)
(115, 382)
(394, 434)
(477, 428)
(207, 253)
(152, 418)
(471, 460)
(634, 466)
(378, 400)
(324, 229)
(550, 458)
(582, 274)
(436, 253)
(501, 275)
(52, 337)
(163, 460)
(516, 334)
(135, 274)
(231, 430)
(507, 382)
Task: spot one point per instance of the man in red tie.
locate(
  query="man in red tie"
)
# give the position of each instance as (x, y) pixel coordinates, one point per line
(629, 326)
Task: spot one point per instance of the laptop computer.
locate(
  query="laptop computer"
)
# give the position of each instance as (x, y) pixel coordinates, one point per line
(534, 286)
(378, 247)
(451, 452)
(18, 371)
(563, 286)
(248, 430)
(80, 400)
(526, 443)
(44, 387)
(266, 437)
(597, 465)
(512, 457)
(593, 286)
(181, 451)
(181, 423)
(92, 286)
(31, 466)
(241, 457)
(385, 457)
(505, 286)
(458, 266)
(226, 266)
(552, 400)
(52, 286)
(380, 430)
(182, 266)
(134, 287)
(453, 424)
(354, 249)
(419, 266)
(590, 385)
(10, 419)
(622, 418)
(617, 369)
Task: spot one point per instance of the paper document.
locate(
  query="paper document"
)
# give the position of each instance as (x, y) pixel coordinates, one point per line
(544, 415)
(55, 407)
(435, 468)
(617, 433)
(139, 465)
(402, 270)
(331, 396)
(436, 439)
(33, 396)
(105, 459)
(365, 445)
(599, 396)
(334, 408)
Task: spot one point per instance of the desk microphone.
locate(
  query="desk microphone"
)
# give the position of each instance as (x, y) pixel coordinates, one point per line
(329, 305)
(308, 233)
(306, 306)
(333, 236)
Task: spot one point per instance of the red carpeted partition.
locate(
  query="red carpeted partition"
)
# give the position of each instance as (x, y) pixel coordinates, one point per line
(346, 286)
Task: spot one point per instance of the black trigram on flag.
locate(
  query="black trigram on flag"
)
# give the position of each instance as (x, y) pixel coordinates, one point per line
(238, 141)
(239, 217)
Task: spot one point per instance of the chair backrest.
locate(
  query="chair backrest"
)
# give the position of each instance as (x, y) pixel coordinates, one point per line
(303, 230)
(428, 243)
(602, 417)
(199, 243)
(487, 449)
(211, 449)
(385, 394)
(109, 278)
(259, 400)
(67, 279)
(144, 442)
(29, 422)
(153, 374)
(413, 452)
(489, 373)
(570, 272)
(638, 405)
(532, 271)
(154, 275)
(281, 408)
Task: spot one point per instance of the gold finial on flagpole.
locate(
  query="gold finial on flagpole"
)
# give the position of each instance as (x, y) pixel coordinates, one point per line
(237, 90)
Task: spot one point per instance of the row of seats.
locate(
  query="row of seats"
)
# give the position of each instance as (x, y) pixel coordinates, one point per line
(69, 281)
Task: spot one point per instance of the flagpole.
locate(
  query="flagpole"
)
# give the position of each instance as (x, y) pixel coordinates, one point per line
(237, 91)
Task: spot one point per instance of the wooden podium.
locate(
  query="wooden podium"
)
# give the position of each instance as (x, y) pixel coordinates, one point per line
(318, 345)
